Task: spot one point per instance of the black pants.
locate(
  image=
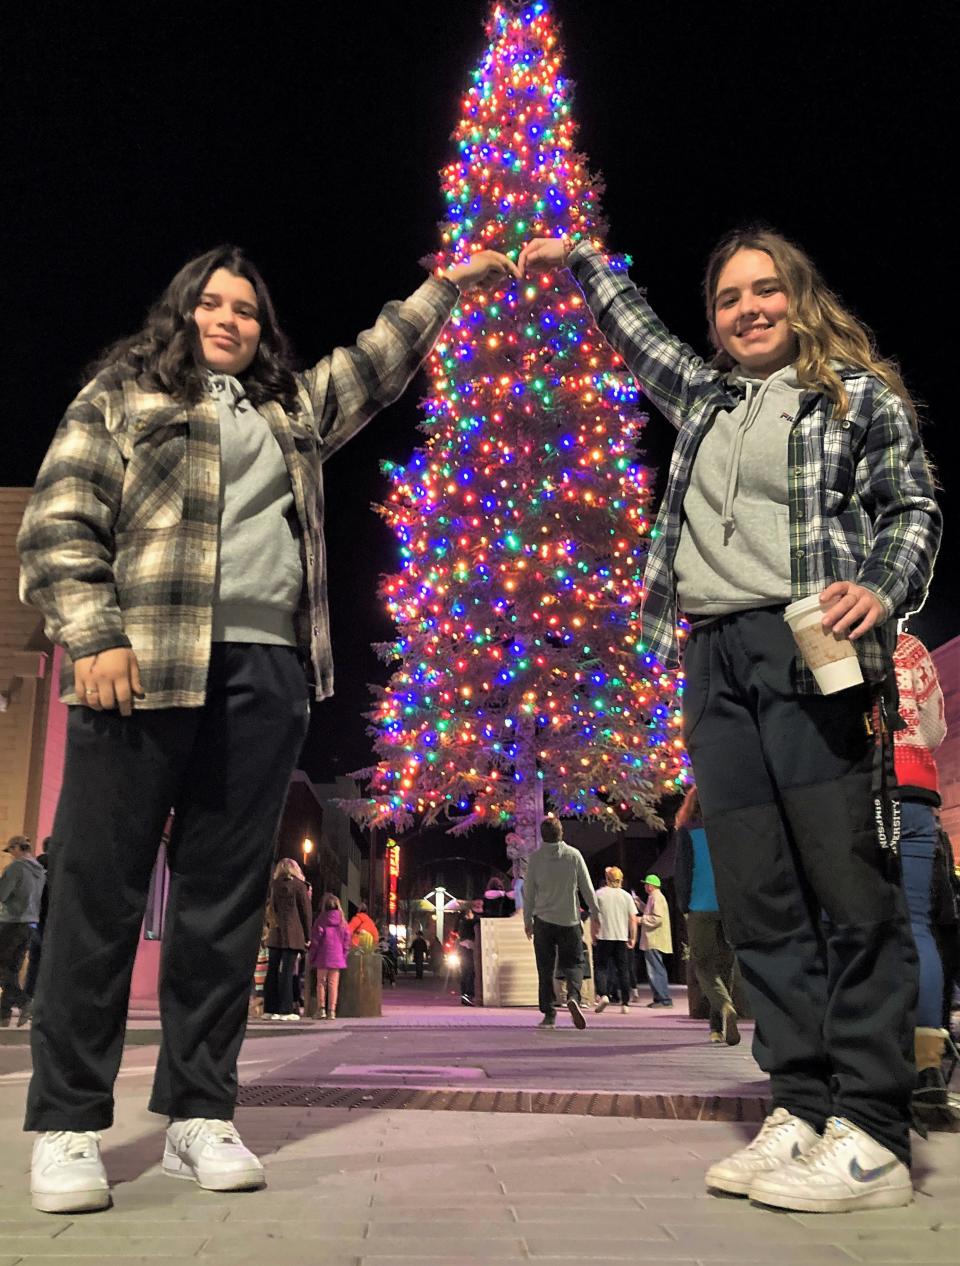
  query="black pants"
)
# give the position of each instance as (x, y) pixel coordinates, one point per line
(612, 970)
(278, 988)
(713, 960)
(467, 971)
(14, 939)
(556, 945)
(821, 933)
(224, 768)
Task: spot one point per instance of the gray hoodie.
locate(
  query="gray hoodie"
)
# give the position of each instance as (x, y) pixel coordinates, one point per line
(554, 873)
(20, 887)
(734, 550)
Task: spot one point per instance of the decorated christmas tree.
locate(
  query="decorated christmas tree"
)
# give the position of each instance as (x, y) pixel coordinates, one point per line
(519, 665)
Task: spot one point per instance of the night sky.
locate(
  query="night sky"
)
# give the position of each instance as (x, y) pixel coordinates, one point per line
(312, 134)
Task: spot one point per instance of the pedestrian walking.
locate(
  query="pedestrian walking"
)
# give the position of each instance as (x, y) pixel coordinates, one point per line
(656, 940)
(556, 874)
(711, 955)
(616, 935)
(329, 944)
(419, 950)
(174, 543)
(21, 889)
(468, 930)
(798, 474)
(289, 916)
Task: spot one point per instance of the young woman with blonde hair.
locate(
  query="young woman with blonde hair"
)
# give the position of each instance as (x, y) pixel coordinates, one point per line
(797, 471)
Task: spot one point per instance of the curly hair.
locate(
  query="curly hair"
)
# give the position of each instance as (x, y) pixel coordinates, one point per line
(166, 350)
(825, 330)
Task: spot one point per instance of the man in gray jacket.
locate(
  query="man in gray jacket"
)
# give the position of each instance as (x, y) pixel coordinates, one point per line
(551, 917)
(20, 887)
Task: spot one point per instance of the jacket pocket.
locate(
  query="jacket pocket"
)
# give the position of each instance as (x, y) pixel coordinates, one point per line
(155, 480)
(842, 444)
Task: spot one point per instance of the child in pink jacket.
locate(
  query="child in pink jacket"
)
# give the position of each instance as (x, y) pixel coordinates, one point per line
(329, 943)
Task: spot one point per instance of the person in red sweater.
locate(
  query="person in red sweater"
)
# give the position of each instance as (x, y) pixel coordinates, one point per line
(921, 707)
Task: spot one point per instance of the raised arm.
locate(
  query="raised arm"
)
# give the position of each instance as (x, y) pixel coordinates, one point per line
(669, 371)
(348, 387)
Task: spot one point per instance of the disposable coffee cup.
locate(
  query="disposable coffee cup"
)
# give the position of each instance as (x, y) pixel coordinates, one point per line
(833, 660)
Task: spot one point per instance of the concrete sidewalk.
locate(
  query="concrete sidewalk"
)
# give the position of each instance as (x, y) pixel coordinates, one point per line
(378, 1188)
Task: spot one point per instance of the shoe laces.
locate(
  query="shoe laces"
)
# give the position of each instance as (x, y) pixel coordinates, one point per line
(74, 1145)
(823, 1150)
(213, 1131)
(774, 1125)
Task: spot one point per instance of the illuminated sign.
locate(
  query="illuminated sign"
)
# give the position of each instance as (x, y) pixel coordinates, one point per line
(392, 862)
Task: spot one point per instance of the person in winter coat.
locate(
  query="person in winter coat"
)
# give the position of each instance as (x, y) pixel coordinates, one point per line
(711, 954)
(918, 790)
(656, 940)
(21, 890)
(174, 542)
(289, 917)
(797, 472)
(329, 944)
(361, 922)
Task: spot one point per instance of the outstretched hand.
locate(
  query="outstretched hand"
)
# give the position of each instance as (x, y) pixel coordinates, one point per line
(543, 253)
(482, 268)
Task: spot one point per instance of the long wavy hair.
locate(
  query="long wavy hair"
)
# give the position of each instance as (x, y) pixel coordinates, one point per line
(166, 351)
(825, 330)
(288, 868)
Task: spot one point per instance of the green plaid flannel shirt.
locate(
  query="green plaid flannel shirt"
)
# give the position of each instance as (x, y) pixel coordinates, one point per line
(862, 504)
(120, 539)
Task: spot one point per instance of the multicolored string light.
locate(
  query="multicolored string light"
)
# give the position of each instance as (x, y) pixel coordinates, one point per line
(523, 521)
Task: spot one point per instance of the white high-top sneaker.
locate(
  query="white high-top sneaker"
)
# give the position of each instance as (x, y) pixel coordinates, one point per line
(845, 1170)
(782, 1137)
(212, 1153)
(67, 1174)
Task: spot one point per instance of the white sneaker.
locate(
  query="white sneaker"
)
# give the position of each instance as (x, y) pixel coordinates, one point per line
(212, 1153)
(845, 1170)
(601, 1004)
(67, 1174)
(294, 1015)
(624, 1008)
(782, 1138)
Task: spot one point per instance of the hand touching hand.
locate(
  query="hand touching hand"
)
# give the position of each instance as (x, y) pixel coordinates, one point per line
(543, 253)
(851, 603)
(108, 680)
(482, 268)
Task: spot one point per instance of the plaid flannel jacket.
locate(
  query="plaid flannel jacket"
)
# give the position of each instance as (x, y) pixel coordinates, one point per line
(119, 542)
(862, 506)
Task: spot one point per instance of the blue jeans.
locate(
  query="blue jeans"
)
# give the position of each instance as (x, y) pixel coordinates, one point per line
(918, 843)
(657, 975)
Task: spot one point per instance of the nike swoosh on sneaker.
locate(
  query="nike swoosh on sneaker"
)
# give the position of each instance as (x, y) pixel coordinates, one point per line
(870, 1175)
(795, 1151)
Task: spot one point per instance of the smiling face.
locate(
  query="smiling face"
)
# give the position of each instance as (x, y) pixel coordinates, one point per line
(750, 314)
(228, 323)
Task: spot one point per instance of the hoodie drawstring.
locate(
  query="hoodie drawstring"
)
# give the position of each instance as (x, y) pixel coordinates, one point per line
(753, 404)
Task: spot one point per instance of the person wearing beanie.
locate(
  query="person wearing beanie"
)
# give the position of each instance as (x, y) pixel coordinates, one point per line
(656, 940)
(918, 790)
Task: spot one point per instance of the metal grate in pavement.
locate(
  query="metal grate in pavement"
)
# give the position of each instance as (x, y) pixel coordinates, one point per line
(679, 1107)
